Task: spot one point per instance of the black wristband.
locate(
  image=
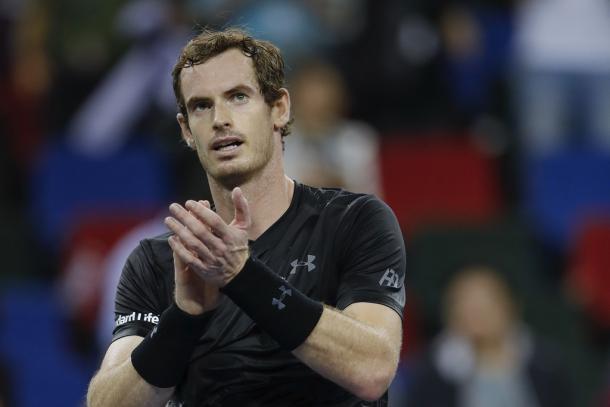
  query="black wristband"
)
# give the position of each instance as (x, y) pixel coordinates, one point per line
(285, 313)
(163, 356)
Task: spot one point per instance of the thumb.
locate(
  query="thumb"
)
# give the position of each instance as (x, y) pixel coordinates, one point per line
(242, 211)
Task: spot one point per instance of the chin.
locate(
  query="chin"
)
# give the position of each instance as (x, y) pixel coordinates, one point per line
(231, 176)
(237, 171)
(231, 181)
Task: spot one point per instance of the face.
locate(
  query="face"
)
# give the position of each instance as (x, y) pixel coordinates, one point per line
(235, 132)
(479, 308)
(319, 97)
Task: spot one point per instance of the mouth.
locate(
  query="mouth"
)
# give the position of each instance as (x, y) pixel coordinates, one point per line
(226, 143)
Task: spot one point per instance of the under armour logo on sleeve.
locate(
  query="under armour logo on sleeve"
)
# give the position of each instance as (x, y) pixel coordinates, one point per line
(390, 279)
(278, 301)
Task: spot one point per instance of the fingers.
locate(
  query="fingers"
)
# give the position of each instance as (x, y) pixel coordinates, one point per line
(188, 239)
(207, 216)
(188, 226)
(202, 239)
(242, 211)
(185, 256)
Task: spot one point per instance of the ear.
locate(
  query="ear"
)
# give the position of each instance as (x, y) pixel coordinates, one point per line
(185, 130)
(280, 110)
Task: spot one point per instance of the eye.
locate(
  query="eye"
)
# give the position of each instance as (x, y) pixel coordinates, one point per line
(239, 98)
(199, 106)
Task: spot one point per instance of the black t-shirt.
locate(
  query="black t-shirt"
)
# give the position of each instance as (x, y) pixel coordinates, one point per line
(334, 246)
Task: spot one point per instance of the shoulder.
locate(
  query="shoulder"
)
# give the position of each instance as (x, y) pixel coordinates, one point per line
(345, 206)
(146, 282)
(156, 246)
(341, 199)
(152, 253)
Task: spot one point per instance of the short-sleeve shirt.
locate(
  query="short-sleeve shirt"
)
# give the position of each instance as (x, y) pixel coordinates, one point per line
(334, 246)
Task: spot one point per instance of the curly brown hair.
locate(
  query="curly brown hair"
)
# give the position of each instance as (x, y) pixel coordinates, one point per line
(266, 58)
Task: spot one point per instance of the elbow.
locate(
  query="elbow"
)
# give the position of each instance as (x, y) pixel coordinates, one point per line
(92, 400)
(95, 395)
(373, 384)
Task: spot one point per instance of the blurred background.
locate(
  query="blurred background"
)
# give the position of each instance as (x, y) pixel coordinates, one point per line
(484, 124)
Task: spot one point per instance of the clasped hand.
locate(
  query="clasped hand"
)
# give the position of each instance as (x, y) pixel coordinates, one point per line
(206, 245)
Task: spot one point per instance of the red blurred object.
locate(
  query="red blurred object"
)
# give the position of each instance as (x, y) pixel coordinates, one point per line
(589, 271)
(433, 180)
(83, 261)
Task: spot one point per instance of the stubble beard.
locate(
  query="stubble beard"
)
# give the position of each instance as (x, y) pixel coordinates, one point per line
(236, 174)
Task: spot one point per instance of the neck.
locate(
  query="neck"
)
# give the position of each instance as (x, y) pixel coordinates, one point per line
(269, 194)
(498, 353)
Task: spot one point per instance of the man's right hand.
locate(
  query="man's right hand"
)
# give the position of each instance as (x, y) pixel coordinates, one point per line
(193, 294)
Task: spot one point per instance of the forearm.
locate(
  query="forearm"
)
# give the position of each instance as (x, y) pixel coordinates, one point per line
(355, 355)
(122, 386)
(140, 371)
(357, 348)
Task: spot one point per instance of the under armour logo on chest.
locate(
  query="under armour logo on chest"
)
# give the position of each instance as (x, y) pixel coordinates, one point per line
(390, 279)
(309, 264)
(277, 302)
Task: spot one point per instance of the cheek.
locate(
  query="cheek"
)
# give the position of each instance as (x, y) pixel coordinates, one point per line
(199, 131)
(258, 126)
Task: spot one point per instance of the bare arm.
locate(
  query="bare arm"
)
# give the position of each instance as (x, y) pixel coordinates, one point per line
(117, 383)
(358, 348)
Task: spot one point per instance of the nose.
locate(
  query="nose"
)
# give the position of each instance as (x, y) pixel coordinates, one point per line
(222, 117)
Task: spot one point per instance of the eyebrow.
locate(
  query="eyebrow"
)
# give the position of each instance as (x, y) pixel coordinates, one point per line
(241, 88)
(196, 99)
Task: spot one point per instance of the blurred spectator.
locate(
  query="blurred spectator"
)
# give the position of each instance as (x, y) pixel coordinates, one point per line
(138, 82)
(84, 43)
(325, 148)
(392, 67)
(477, 40)
(291, 25)
(25, 70)
(300, 28)
(25, 74)
(563, 73)
(486, 357)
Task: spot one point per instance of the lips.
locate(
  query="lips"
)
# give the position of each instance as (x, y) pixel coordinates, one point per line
(226, 143)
